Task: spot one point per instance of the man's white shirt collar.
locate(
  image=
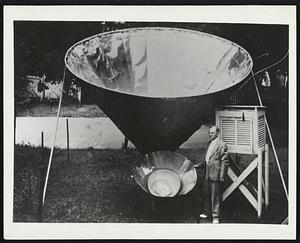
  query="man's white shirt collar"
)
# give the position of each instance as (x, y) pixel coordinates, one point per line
(210, 148)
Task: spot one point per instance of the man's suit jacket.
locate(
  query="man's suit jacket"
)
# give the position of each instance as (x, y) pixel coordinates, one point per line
(218, 162)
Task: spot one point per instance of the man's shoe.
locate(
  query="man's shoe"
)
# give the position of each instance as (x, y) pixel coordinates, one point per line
(203, 216)
(215, 221)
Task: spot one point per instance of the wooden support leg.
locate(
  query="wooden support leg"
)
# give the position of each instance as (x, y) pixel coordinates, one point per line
(238, 180)
(267, 176)
(259, 184)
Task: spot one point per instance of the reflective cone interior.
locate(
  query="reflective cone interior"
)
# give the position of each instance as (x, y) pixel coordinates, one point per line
(163, 172)
(163, 183)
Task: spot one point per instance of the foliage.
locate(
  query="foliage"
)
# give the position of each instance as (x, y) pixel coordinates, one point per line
(40, 46)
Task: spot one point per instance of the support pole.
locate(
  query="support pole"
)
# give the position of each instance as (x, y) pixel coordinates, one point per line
(285, 221)
(42, 175)
(271, 140)
(259, 184)
(68, 148)
(267, 170)
(125, 144)
(54, 138)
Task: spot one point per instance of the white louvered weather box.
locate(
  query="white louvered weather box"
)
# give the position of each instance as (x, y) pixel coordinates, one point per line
(242, 128)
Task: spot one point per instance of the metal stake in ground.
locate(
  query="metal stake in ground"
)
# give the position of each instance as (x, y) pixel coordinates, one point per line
(54, 138)
(67, 123)
(42, 178)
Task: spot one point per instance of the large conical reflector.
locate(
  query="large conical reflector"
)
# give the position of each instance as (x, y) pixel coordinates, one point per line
(157, 84)
(165, 174)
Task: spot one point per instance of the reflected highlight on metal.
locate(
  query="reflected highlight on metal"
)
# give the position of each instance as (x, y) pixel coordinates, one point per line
(162, 172)
(159, 62)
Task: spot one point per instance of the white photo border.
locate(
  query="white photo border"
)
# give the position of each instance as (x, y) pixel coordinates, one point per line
(211, 14)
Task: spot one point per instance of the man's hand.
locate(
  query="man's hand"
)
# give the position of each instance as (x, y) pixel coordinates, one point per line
(199, 165)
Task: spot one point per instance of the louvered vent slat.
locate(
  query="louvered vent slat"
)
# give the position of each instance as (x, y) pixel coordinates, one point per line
(243, 132)
(228, 131)
(243, 128)
(261, 131)
(243, 137)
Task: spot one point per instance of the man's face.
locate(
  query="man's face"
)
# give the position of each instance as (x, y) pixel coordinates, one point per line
(212, 134)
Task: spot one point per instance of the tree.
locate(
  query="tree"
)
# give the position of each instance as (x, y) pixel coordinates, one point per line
(40, 46)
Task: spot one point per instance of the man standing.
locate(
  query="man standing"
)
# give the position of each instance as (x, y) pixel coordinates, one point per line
(216, 167)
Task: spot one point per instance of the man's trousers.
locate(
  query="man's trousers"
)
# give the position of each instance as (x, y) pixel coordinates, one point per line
(212, 196)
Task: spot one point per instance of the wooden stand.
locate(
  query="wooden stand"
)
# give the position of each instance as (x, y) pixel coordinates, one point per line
(243, 129)
(254, 196)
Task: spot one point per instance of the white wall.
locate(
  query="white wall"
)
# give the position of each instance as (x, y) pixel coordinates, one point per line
(84, 133)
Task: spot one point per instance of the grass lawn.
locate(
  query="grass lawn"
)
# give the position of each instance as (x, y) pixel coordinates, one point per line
(95, 186)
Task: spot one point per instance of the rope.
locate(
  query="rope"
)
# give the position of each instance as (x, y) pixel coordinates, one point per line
(272, 65)
(54, 138)
(271, 139)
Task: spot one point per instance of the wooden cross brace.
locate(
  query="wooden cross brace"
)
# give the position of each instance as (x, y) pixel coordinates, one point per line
(54, 90)
(254, 196)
